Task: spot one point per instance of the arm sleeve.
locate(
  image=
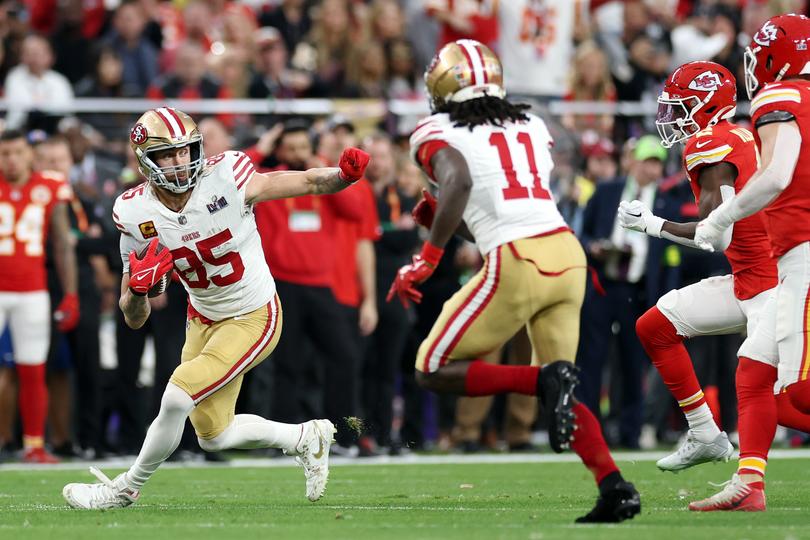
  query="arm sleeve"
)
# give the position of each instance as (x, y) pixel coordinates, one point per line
(769, 181)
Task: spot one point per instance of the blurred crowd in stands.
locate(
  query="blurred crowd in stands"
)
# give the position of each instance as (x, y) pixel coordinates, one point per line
(344, 351)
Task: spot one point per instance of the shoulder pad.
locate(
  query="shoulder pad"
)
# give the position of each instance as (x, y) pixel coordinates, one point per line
(774, 117)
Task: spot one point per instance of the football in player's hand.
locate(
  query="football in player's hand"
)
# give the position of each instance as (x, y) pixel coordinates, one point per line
(163, 282)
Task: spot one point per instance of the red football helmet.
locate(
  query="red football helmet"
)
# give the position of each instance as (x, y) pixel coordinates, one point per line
(697, 95)
(779, 49)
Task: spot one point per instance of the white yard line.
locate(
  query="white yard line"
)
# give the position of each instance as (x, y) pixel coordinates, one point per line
(411, 459)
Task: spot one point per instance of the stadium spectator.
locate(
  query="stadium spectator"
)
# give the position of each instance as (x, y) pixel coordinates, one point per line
(139, 55)
(272, 77)
(366, 71)
(387, 20)
(633, 271)
(69, 41)
(328, 47)
(79, 348)
(298, 238)
(189, 79)
(230, 66)
(590, 81)
(291, 18)
(404, 82)
(398, 241)
(33, 90)
(466, 19)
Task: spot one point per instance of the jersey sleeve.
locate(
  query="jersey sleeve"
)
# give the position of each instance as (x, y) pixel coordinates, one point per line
(429, 137)
(705, 150)
(776, 97)
(242, 168)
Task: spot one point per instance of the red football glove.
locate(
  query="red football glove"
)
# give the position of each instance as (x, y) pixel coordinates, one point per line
(425, 209)
(67, 314)
(353, 163)
(416, 273)
(146, 273)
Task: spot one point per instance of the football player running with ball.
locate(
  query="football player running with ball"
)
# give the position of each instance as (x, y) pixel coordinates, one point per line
(696, 106)
(777, 78)
(491, 162)
(201, 210)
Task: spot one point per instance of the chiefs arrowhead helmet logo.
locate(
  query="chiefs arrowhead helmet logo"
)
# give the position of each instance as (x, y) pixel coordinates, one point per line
(138, 134)
(766, 34)
(706, 82)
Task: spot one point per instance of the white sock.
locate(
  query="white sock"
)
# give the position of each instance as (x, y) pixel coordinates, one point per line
(248, 431)
(702, 424)
(163, 435)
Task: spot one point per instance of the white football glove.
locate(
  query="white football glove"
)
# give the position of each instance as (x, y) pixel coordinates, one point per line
(635, 216)
(709, 234)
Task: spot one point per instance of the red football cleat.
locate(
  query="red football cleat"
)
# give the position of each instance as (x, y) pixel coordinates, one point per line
(735, 496)
(39, 455)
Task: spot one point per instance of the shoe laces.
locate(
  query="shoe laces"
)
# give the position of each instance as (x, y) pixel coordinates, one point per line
(688, 445)
(731, 488)
(104, 492)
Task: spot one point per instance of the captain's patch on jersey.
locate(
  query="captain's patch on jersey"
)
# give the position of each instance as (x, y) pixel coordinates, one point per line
(148, 229)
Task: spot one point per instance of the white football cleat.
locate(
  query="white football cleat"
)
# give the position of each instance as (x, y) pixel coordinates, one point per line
(312, 453)
(108, 494)
(694, 452)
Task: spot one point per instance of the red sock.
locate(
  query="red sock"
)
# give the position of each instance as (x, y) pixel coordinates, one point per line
(789, 416)
(665, 348)
(590, 445)
(33, 395)
(757, 414)
(489, 379)
(799, 393)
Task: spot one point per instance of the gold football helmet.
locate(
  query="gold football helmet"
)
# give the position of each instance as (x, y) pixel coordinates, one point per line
(463, 70)
(161, 129)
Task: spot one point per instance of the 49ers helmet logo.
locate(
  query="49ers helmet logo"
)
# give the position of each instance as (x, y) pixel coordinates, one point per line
(706, 82)
(138, 134)
(766, 34)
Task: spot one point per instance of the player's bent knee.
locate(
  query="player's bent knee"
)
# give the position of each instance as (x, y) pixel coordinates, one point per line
(655, 330)
(176, 400)
(215, 444)
(754, 376)
(429, 381)
(799, 394)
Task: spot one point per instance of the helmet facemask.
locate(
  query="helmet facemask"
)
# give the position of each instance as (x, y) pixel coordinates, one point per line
(169, 178)
(750, 66)
(675, 119)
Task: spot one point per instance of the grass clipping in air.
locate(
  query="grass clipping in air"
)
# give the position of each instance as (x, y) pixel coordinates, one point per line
(358, 425)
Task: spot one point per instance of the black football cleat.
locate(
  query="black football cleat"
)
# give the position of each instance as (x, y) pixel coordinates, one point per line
(555, 390)
(620, 502)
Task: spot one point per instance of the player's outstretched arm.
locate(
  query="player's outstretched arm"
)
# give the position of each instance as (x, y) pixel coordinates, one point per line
(135, 307)
(716, 185)
(776, 130)
(317, 181)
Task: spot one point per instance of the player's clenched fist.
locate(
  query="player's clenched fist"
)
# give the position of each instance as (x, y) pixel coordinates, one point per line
(353, 163)
(425, 209)
(146, 272)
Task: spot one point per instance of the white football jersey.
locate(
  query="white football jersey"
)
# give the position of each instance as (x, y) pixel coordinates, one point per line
(510, 168)
(214, 242)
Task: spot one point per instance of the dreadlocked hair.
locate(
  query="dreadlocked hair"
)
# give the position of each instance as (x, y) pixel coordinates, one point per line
(484, 110)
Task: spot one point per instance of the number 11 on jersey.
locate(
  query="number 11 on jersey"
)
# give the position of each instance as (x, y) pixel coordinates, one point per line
(516, 190)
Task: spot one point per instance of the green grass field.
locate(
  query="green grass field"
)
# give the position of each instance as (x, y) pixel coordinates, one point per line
(524, 500)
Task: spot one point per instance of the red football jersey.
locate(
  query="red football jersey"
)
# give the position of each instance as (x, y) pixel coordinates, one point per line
(749, 253)
(788, 217)
(25, 217)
